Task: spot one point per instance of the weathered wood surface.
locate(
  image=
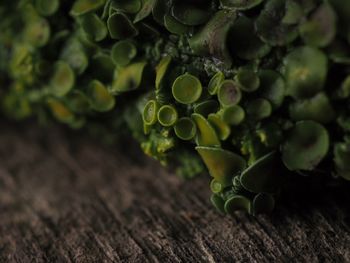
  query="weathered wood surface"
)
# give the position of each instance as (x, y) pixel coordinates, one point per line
(67, 198)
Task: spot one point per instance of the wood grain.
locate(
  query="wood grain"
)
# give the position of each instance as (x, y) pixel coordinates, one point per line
(68, 198)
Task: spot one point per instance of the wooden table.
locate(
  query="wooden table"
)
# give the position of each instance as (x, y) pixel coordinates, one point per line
(68, 198)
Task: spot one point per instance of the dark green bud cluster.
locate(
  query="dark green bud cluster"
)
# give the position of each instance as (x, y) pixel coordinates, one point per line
(256, 90)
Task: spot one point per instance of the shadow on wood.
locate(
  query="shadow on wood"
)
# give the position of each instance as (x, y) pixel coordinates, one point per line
(67, 198)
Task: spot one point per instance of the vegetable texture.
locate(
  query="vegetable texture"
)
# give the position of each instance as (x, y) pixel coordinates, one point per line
(255, 91)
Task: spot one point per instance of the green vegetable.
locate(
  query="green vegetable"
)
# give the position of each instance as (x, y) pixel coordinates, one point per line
(62, 80)
(221, 127)
(94, 27)
(120, 27)
(101, 99)
(150, 112)
(185, 129)
(229, 93)
(223, 165)
(310, 141)
(206, 135)
(256, 91)
(305, 72)
(237, 202)
(206, 107)
(215, 82)
(259, 109)
(123, 52)
(47, 7)
(167, 115)
(233, 115)
(187, 89)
